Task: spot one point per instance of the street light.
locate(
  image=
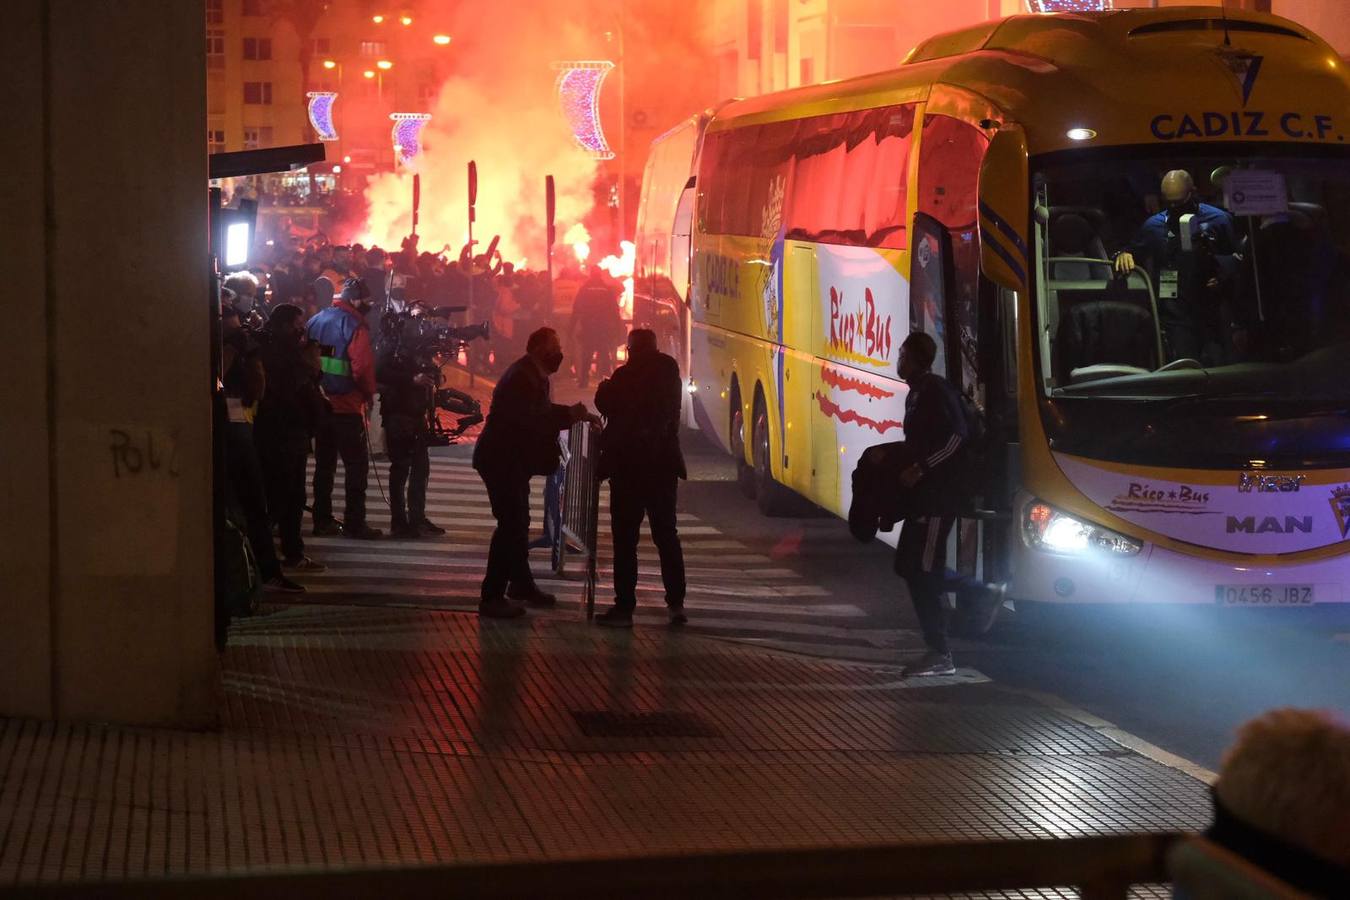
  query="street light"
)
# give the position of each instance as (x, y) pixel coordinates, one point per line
(385, 64)
(441, 39)
(368, 73)
(330, 64)
(377, 19)
(406, 20)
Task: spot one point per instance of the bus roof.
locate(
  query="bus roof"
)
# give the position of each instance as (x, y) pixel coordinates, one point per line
(1133, 76)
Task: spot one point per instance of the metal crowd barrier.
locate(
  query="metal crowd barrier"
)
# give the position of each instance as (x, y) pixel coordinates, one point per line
(580, 506)
(1101, 868)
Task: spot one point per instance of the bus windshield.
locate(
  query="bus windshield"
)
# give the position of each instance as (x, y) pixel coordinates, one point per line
(1214, 284)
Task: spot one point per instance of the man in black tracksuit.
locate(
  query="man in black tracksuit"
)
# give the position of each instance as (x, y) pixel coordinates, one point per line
(935, 435)
(640, 455)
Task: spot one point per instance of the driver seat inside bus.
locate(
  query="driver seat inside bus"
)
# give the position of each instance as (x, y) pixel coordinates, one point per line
(1109, 334)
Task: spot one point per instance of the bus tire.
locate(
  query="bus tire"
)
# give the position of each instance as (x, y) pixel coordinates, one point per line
(773, 498)
(745, 474)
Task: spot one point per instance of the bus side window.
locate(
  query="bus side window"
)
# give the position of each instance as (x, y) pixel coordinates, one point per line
(928, 285)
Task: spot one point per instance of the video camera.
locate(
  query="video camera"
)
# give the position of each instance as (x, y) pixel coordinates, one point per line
(417, 334)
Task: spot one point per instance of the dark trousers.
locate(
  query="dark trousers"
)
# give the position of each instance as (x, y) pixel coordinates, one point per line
(405, 438)
(508, 555)
(601, 353)
(921, 559)
(283, 457)
(249, 495)
(341, 434)
(630, 498)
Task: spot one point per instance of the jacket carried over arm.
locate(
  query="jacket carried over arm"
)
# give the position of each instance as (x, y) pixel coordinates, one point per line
(521, 434)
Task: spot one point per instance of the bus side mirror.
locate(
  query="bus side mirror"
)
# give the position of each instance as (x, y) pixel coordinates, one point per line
(1004, 206)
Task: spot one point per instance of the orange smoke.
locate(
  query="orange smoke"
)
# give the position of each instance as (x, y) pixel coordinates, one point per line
(500, 110)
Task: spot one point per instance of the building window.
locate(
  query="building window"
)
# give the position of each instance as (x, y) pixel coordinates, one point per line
(320, 46)
(257, 48)
(215, 140)
(373, 48)
(780, 26)
(258, 93)
(253, 8)
(257, 138)
(215, 49)
(215, 12)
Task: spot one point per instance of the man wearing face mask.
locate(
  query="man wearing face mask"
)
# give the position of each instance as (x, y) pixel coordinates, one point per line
(519, 441)
(1190, 272)
(348, 365)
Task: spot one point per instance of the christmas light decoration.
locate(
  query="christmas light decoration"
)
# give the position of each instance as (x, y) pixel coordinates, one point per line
(578, 88)
(406, 135)
(1056, 6)
(321, 114)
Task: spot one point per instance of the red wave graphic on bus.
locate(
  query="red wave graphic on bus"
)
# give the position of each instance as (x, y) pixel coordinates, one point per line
(843, 382)
(847, 416)
(861, 330)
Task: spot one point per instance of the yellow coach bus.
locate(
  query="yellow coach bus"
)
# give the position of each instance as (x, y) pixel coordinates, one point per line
(1129, 233)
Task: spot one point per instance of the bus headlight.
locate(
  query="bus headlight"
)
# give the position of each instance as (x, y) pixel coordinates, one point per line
(1048, 529)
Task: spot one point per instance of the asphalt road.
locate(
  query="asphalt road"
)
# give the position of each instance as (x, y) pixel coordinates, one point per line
(1183, 680)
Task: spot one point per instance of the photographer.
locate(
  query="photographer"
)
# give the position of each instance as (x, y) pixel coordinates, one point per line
(244, 385)
(288, 417)
(349, 381)
(406, 396)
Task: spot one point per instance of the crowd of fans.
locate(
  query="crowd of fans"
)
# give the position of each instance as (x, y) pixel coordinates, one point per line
(583, 306)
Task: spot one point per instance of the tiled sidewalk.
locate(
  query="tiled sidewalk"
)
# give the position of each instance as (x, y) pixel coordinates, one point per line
(377, 736)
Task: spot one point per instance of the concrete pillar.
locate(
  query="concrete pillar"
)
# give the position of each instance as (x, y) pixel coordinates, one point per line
(105, 542)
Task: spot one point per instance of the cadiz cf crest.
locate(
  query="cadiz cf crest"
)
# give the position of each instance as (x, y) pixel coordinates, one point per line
(1244, 67)
(1340, 505)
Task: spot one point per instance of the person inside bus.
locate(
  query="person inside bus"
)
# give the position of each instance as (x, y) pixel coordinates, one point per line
(1190, 285)
(935, 435)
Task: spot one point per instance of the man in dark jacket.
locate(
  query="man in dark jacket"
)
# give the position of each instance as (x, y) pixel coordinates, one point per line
(405, 409)
(640, 455)
(520, 440)
(935, 433)
(288, 416)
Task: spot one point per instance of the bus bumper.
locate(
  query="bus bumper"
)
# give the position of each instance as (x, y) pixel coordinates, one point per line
(1160, 576)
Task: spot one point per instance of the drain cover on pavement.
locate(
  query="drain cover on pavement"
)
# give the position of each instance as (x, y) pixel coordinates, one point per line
(608, 723)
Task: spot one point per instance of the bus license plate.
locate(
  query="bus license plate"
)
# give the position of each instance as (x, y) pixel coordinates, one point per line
(1264, 594)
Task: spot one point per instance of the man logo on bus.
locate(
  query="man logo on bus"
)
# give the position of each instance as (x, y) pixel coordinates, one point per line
(1340, 506)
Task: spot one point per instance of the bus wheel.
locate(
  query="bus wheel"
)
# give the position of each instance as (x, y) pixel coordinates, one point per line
(745, 475)
(772, 497)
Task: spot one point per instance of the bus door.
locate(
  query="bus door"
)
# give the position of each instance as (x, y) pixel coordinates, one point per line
(795, 368)
(940, 309)
(681, 248)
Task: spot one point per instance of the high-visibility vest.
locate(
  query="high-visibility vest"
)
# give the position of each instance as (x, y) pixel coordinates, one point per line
(334, 327)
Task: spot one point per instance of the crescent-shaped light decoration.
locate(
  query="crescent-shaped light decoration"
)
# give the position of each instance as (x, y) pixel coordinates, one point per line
(578, 87)
(407, 135)
(321, 113)
(1057, 6)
